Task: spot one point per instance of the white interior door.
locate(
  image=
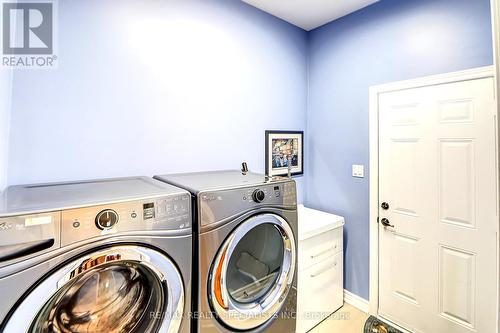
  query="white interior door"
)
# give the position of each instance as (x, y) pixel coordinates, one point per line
(437, 165)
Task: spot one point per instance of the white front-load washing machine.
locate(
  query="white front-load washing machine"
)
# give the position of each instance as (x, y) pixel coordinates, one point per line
(246, 225)
(96, 256)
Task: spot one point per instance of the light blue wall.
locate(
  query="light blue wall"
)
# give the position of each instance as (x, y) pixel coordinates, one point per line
(148, 87)
(5, 93)
(389, 41)
(187, 85)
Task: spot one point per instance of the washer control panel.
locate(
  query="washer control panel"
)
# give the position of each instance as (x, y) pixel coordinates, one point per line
(162, 213)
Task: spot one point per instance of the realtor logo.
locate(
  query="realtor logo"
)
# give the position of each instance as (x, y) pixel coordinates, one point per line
(28, 34)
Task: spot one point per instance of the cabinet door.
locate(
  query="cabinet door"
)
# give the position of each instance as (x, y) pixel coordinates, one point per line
(320, 291)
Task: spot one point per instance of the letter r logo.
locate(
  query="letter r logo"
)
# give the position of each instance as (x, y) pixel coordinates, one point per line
(27, 28)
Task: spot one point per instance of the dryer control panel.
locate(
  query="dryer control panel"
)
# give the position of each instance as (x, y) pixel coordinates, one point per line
(162, 213)
(216, 206)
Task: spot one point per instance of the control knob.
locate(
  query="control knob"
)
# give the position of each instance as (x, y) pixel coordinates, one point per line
(258, 195)
(106, 219)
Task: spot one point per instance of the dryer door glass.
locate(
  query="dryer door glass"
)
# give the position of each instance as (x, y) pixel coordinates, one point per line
(255, 264)
(253, 272)
(115, 297)
(123, 288)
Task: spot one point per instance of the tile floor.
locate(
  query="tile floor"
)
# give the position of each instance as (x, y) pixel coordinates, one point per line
(347, 319)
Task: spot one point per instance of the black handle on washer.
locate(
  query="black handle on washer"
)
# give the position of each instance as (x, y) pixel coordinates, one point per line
(9, 252)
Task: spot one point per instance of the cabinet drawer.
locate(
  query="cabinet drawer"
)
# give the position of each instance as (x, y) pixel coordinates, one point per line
(320, 292)
(315, 249)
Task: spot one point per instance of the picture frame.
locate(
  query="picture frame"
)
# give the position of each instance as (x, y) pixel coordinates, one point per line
(279, 146)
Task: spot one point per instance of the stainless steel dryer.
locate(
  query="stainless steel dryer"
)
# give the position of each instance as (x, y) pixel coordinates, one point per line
(247, 251)
(100, 256)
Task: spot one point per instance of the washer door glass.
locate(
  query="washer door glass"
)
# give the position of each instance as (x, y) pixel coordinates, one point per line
(255, 264)
(115, 297)
(123, 288)
(253, 272)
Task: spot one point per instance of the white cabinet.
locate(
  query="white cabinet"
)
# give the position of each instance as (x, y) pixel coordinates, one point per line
(320, 279)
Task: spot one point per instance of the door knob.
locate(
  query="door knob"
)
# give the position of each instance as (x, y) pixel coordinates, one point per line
(384, 205)
(385, 222)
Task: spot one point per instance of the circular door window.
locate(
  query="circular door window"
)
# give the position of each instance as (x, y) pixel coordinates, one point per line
(253, 272)
(115, 297)
(122, 289)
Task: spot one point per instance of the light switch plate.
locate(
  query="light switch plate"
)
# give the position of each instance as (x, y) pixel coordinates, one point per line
(358, 171)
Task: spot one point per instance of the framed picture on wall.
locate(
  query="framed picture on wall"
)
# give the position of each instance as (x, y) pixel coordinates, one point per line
(284, 148)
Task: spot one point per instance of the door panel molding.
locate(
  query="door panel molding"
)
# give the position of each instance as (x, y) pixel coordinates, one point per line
(453, 111)
(451, 261)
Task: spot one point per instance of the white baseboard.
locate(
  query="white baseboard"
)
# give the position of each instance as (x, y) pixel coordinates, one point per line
(356, 301)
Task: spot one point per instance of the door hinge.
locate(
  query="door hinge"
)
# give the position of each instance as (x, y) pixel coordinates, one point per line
(378, 219)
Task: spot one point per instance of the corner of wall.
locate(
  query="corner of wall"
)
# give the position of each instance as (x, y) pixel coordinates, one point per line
(306, 119)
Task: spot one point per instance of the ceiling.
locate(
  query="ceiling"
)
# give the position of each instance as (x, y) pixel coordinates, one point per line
(309, 14)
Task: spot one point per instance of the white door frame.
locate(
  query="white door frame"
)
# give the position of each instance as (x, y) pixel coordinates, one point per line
(495, 22)
(375, 91)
